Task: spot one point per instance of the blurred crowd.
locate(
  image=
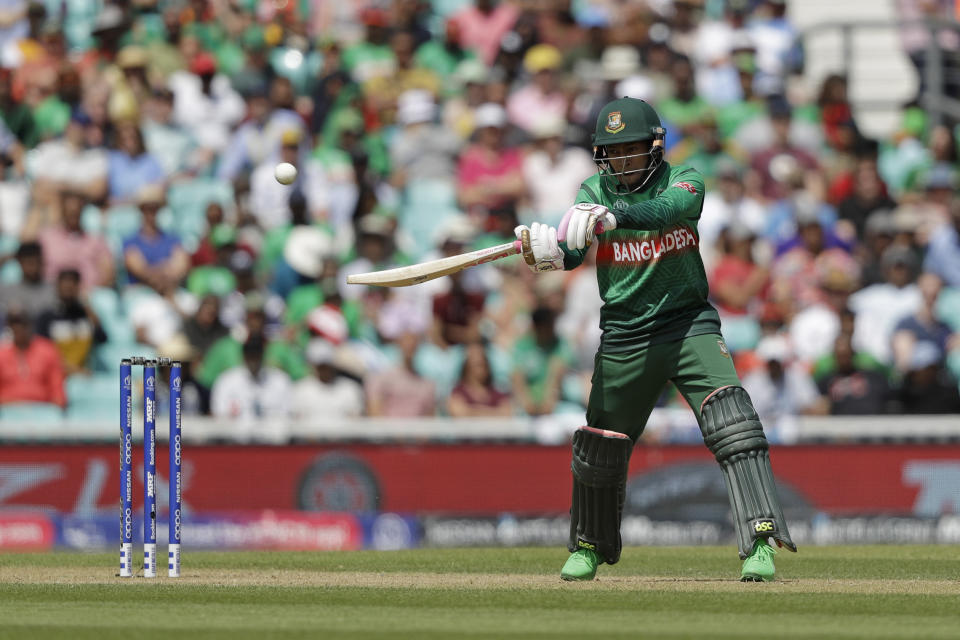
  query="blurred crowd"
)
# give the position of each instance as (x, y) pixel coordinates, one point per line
(139, 214)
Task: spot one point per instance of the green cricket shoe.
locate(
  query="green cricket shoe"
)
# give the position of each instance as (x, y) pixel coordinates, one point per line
(581, 565)
(758, 567)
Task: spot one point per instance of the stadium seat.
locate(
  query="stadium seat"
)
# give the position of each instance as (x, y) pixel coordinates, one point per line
(10, 271)
(106, 304)
(92, 397)
(188, 203)
(31, 413)
(948, 307)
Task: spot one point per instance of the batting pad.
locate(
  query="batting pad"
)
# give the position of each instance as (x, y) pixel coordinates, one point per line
(599, 466)
(733, 433)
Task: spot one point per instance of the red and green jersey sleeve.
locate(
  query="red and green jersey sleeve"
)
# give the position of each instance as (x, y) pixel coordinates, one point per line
(649, 269)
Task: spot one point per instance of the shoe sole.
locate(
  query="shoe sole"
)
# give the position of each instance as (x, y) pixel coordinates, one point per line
(754, 578)
(574, 579)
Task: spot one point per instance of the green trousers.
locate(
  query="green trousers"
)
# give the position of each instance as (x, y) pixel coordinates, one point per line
(626, 386)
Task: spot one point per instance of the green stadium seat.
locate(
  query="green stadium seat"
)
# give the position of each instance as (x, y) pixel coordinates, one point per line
(92, 397)
(31, 413)
(948, 307)
(188, 203)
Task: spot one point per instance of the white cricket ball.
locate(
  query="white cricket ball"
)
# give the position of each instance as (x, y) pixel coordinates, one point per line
(285, 173)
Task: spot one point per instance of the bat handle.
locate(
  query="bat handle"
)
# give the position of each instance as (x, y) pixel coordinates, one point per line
(523, 247)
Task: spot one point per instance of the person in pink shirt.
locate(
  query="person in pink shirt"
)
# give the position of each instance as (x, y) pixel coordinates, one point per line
(490, 174)
(68, 246)
(542, 99)
(30, 367)
(483, 26)
(401, 392)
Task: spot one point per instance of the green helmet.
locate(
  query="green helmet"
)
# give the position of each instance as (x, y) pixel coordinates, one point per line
(627, 120)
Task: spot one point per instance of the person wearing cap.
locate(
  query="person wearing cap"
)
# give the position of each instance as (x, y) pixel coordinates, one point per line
(541, 99)
(270, 200)
(30, 366)
(130, 167)
(66, 162)
(170, 143)
(880, 306)
(153, 256)
(205, 103)
(326, 386)
(923, 326)
(270, 115)
(658, 326)
(490, 173)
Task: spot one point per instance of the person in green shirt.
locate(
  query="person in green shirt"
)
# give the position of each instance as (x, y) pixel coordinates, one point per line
(657, 327)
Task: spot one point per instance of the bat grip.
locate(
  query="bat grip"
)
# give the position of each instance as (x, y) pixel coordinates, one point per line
(523, 247)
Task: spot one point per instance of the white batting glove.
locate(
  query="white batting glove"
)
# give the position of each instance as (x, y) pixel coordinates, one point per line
(547, 254)
(582, 222)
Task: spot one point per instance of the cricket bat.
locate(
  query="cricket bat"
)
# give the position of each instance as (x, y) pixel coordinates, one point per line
(417, 273)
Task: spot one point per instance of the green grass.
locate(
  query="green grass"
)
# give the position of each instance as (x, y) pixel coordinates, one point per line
(827, 592)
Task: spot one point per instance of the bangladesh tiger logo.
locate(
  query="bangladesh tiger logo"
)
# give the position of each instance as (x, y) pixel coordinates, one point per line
(723, 349)
(620, 204)
(615, 122)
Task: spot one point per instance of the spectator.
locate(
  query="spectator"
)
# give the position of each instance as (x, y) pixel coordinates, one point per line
(171, 144)
(727, 206)
(685, 109)
(737, 283)
(270, 200)
(33, 293)
(326, 389)
(130, 166)
(881, 306)
(542, 99)
(71, 325)
(152, 256)
(205, 104)
(540, 361)
(475, 395)
(490, 175)
(203, 328)
(251, 391)
(400, 392)
(259, 138)
(776, 163)
(484, 25)
(851, 387)
(869, 195)
(421, 150)
(30, 368)
(943, 255)
(781, 389)
(71, 161)
(922, 327)
(778, 49)
(553, 171)
(927, 386)
(68, 246)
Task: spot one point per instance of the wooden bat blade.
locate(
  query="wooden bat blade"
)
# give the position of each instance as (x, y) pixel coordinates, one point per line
(417, 273)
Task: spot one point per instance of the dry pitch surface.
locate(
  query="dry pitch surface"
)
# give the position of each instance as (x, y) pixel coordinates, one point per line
(840, 592)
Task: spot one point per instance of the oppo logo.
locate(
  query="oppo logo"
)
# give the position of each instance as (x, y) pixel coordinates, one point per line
(176, 450)
(127, 524)
(176, 525)
(127, 449)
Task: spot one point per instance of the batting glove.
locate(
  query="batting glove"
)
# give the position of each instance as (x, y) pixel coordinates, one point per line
(582, 222)
(547, 254)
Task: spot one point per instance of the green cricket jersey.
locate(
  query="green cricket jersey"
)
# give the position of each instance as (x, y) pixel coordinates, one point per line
(651, 277)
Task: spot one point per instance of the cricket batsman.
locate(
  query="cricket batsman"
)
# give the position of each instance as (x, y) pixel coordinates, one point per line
(657, 326)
